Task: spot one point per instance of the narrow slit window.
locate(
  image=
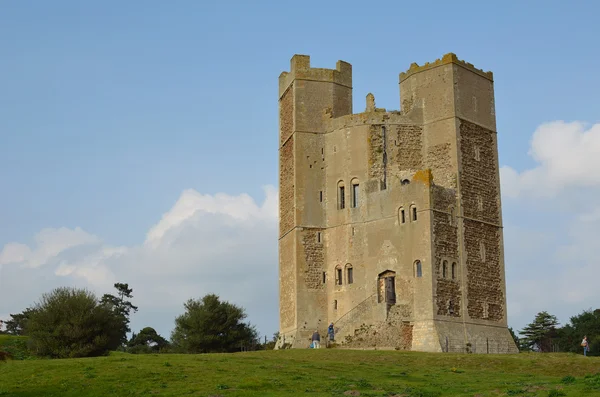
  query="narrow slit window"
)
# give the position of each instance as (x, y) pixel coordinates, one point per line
(453, 270)
(318, 237)
(335, 304)
(445, 269)
(402, 216)
(354, 195)
(341, 196)
(418, 269)
(324, 277)
(321, 196)
(350, 275)
(414, 213)
(339, 276)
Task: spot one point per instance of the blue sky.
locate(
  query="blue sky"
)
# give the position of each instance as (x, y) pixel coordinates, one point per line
(114, 115)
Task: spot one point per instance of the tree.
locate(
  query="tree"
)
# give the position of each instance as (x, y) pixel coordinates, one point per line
(69, 322)
(211, 326)
(538, 335)
(16, 325)
(147, 341)
(120, 306)
(515, 337)
(587, 324)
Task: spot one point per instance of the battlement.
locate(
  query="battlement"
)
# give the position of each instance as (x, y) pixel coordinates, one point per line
(446, 59)
(300, 70)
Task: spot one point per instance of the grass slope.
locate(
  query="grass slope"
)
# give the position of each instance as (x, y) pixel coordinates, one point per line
(325, 372)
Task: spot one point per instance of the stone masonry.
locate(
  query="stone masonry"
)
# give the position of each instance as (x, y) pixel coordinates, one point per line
(390, 221)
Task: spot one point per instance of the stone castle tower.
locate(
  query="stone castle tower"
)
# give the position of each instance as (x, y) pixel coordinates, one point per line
(390, 221)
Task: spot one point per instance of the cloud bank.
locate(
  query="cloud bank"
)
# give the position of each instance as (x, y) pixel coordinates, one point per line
(204, 244)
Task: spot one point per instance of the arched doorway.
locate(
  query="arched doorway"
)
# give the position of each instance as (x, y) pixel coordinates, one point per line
(387, 287)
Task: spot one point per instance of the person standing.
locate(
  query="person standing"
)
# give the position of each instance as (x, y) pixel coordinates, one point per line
(330, 332)
(585, 345)
(316, 339)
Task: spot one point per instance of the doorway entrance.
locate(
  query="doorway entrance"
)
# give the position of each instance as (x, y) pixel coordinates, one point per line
(387, 287)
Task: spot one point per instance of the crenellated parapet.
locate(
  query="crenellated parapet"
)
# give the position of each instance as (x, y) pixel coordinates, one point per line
(300, 70)
(446, 59)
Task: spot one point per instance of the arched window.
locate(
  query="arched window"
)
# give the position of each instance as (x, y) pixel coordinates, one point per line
(341, 195)
(418, 269)
(338, 275)
(445, 269)
(404, 182)
(354, 183)
(349, 274)
(413, 213)
(453, 270)
(401, 215)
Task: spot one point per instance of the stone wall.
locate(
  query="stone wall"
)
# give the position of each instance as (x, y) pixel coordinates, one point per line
(314, 255)
(479, 179)
(286, 115)
(484, 278)
(286, 187)
(438, 160)
(287, 282)
(405, 143)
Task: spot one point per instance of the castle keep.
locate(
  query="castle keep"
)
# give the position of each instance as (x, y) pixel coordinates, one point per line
(390, 221)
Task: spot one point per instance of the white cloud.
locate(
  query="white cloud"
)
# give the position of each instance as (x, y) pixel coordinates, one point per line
(49, 244)
(567, 155)
(222, 244)
(552, 245)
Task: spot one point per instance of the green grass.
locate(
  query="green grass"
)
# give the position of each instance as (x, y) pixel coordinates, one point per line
(325, 372)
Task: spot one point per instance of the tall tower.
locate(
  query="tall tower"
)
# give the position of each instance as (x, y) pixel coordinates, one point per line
(390, 221)
(305, 94)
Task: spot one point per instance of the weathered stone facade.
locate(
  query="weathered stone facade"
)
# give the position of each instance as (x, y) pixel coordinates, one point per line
(390, 221)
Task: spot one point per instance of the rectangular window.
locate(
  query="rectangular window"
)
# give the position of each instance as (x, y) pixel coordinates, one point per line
(354, 196)
(324, 277)
(350, 276)
(321, 196)
(335, 304)
(339, 277)
(414, 213)
(402, 216)
(318, 237)
(342, 198)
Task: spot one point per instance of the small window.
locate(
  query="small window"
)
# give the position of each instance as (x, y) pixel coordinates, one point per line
(453, 270)
(414, 213)
(339, 275)
(404, 182)
(341, 196)
(418, 269)
(402, 216)
(445, 269)
(321, 196)
(335, 304)
(349, 274)
(450, 307)
(324, 277)
(353, 230)
(354, 194)
(318, 237)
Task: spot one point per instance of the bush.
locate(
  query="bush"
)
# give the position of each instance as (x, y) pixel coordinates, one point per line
(14, 347)
(70, 323)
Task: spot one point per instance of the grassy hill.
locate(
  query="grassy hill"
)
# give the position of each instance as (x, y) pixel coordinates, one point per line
(325, 372)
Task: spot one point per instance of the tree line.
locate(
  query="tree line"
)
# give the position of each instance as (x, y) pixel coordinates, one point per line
(544, 334)
(71, 322)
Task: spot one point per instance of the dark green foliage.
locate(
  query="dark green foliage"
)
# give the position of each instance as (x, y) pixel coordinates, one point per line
(586, 323)
(515, 337)
(69, 322)
(16, 325)
(538, 335)
(211, 326)
(120, 306)
(147, 341)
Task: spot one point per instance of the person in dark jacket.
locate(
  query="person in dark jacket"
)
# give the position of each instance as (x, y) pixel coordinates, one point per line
(316, 339)
(330, 332)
